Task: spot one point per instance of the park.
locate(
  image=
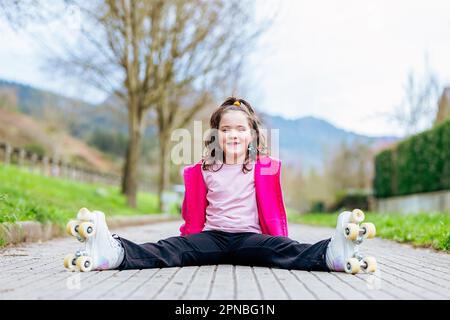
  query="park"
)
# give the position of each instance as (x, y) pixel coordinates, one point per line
(122, 114)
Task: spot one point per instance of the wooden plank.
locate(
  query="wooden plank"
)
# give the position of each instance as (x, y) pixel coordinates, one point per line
(424, 285)
(399, 282)
(379, 283)
(436, 278)
(271, 288)
(35, 271)
(368, 286)
(103, 288)
(201, 283)
(295, 289)
(57, 283)
(86, 285)
(154, 285)
(341, 287)
(246, 284)
(26, 279)
(177, 285)
(126, 288)
(317, 287)
(223, 283)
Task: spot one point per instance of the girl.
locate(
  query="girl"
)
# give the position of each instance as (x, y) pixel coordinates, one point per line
(233, 213)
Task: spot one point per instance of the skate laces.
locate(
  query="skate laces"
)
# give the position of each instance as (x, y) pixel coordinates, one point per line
(114, 241)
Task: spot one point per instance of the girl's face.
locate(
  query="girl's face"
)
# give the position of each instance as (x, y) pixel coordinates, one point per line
(234, 136)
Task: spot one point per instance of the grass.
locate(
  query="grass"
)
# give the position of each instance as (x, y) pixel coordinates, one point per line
(31, 196)
(421, 230)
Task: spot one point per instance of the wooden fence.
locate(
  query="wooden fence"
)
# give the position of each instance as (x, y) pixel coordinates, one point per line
(52, 166)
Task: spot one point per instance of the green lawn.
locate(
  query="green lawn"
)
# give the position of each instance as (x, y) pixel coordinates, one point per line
(31, 196)
(422, 230)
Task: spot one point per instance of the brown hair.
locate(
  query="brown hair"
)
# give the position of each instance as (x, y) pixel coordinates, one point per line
(234, 104)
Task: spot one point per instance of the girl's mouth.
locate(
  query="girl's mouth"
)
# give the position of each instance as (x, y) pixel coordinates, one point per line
(233, 144)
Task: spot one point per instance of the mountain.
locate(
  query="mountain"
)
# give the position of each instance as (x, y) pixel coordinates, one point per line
(304, 142)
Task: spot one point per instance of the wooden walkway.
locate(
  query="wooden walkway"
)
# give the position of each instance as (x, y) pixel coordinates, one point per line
(35, 271)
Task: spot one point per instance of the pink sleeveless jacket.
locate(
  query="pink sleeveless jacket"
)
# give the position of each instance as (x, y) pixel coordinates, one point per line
(269, 198)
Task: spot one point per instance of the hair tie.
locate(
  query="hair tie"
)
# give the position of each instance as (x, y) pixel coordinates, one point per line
(237, 103)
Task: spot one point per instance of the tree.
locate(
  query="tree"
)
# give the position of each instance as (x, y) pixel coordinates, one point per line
(143, 52)
(154, 54)
(207, 43)
(350, 167)
(19, 13)
(417, 110)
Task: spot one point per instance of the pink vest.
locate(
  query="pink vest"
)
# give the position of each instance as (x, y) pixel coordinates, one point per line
(269, 198)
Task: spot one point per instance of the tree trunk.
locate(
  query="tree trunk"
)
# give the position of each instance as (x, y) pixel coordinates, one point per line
(124, 172)
(164, 168)
(130, 174)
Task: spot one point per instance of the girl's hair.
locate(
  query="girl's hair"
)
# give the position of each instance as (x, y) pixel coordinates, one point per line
(259, 140)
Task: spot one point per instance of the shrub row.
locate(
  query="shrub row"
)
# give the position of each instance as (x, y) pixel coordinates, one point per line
(418, 164)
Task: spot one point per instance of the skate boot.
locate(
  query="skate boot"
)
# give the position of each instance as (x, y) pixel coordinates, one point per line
(101, 250)
(343, 250)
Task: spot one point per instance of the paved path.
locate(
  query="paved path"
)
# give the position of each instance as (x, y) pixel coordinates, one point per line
(35, 271)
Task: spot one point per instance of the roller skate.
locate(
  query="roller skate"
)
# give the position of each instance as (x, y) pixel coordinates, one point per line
(343, 251)
(101, 250)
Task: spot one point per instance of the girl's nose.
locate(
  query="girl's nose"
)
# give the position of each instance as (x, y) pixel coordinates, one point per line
(233, 134)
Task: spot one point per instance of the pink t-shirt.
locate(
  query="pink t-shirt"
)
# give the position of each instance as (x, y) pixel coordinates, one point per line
(232, 199)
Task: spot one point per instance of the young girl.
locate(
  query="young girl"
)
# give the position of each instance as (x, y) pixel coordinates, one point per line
(233, 211)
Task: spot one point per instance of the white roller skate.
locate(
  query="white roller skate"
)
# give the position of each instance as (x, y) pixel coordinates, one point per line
(342, 253)
(101, 250)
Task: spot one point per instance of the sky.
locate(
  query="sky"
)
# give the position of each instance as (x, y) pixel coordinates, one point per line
(342, 61)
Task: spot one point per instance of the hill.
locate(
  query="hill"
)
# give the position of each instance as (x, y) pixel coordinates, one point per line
(304, 142)
(23, 131)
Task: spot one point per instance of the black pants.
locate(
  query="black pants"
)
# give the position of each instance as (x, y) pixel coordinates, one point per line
(219, 247)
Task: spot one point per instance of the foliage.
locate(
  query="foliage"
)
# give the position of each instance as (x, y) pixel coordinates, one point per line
(418, 164)
(423, 229)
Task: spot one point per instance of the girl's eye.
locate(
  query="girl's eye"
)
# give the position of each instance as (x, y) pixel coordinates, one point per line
(240, 129)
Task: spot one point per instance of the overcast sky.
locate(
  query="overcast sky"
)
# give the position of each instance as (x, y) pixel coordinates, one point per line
(342, 61)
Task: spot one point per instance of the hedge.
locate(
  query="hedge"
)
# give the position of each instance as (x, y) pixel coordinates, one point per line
(418, 164)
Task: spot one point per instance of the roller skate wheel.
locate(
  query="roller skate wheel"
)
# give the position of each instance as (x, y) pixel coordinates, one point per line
(357, 216)
(352, 266)
(72, 227)
(69, 262)
(83, 214)
(369, 230)
(86, 229)
(84, 263)
(351, 231)
(369, 264)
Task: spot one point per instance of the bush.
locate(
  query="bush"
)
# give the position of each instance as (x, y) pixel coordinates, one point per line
(418, 164)
(35, 148)
(348, 200)
(318, 206)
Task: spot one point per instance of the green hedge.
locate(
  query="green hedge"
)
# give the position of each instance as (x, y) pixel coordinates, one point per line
(418, 164)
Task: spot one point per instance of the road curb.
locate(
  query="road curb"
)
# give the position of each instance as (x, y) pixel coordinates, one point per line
(33, 231)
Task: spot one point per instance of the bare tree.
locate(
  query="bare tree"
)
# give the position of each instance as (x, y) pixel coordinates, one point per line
(350, 167)
(148, 53)
(19, 13)
(418, 109)
(151, 54)
(208, 41)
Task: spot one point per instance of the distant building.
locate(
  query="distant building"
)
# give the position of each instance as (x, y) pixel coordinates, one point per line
(444, 107)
